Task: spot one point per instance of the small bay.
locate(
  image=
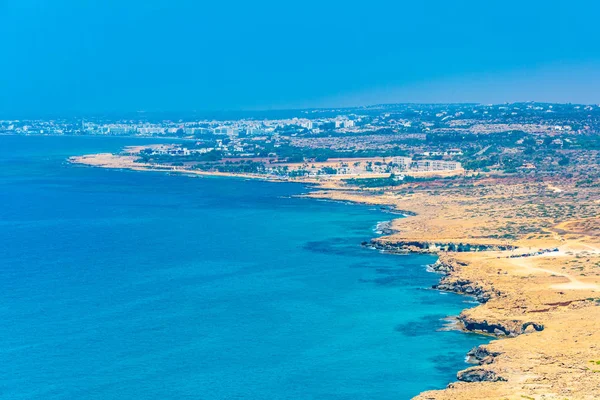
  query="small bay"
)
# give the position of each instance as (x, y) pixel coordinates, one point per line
(121, 284)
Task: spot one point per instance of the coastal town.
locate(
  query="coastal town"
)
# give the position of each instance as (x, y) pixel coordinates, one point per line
(507, 196)
(509, 203)
(377, 141)
(412, 120)
(279, 200)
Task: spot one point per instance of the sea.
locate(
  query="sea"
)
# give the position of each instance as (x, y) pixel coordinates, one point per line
(119, 284)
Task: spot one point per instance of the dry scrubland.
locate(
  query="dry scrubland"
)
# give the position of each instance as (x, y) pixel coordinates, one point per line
(542, 298)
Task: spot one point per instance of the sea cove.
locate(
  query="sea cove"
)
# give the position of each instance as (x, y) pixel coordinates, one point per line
(121, 284)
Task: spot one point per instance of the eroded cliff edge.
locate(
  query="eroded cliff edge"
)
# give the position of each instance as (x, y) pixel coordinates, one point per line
(529, 250)
(539, 295)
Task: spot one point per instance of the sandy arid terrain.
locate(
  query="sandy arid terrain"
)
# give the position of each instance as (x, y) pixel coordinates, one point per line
(540, 297)
(528, 250)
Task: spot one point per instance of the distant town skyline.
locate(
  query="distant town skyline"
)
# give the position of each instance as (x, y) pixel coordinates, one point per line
(69, 56)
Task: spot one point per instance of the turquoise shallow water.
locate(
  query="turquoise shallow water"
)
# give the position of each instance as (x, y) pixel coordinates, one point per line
(121, 285)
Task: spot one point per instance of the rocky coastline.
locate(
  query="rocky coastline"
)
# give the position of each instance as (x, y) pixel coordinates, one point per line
(533, 271)
(452, 281)
(432, 247)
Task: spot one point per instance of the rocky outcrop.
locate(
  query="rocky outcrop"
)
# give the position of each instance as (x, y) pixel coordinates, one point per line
(483, 292)
(461, 286)
(394, 210)
(451, 283)
(385, 228)
(433, 247)
(481, 355)
(499, 328)
(478, 374)
(442, 267)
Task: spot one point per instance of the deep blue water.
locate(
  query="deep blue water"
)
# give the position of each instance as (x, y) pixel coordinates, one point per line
(122, 285)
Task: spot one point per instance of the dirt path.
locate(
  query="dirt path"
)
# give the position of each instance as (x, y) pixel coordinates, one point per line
(528, 263)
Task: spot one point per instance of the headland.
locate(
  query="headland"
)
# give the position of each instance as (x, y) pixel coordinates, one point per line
(528, 250)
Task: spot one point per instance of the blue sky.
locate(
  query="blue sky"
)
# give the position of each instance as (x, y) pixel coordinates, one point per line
(66, 56)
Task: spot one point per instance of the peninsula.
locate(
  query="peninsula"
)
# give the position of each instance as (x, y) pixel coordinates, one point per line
(508, 197)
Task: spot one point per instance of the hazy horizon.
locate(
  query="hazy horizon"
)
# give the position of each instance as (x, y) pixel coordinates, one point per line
(114, 56)
(224, 114)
